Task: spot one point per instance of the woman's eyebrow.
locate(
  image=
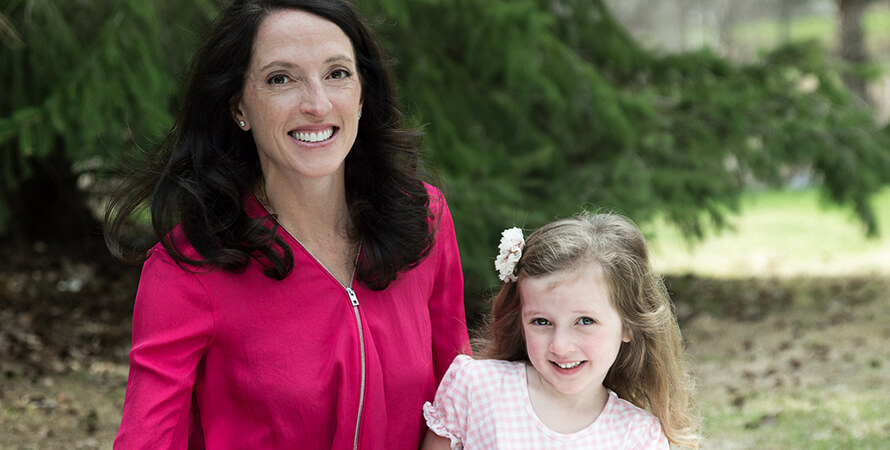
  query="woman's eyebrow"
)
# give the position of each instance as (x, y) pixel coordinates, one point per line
(291, 65)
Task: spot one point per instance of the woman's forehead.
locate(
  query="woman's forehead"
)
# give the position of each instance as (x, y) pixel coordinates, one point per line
(296, 36)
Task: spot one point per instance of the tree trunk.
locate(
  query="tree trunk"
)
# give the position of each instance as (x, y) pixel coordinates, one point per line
(851, 42)
(727, 21)
(785, 21)
(47, 206)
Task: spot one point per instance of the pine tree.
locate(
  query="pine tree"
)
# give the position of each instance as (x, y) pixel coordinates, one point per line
(532, 110)
(84, 82)
(536, 108)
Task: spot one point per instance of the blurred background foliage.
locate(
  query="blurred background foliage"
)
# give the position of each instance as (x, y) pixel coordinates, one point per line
(532, 110)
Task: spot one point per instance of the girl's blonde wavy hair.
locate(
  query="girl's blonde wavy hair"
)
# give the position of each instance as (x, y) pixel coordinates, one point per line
(650, 370)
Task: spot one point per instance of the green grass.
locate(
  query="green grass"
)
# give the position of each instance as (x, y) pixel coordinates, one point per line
(815, 419)
(767, 33)
(786, 323)
(778, 233)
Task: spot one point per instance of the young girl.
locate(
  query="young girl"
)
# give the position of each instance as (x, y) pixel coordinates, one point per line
(582, 349)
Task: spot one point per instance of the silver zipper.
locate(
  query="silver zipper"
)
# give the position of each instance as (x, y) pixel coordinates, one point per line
(353, 299)
(361, 340)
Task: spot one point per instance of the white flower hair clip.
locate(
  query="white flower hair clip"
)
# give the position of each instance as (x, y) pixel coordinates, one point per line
(510, 252)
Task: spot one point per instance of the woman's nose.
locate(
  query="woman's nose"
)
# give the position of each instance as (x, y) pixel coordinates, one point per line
(315, 101)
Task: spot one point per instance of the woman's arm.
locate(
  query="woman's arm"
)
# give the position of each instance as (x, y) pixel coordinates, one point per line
(172, 326)
(446, 304)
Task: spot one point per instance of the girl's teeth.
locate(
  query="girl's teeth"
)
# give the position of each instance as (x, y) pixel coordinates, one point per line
(314, 137)
(569, 365)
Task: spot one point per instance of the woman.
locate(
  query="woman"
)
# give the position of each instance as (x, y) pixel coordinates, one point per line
(306, 291)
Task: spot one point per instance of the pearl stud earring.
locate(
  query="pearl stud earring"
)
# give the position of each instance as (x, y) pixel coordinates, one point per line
(242, 123)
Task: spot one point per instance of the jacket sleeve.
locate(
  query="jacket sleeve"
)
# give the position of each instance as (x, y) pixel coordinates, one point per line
(446, 304)
(173, 324)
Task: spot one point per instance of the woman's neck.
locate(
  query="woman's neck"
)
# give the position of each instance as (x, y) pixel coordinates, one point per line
(316, 215)
(312, 210)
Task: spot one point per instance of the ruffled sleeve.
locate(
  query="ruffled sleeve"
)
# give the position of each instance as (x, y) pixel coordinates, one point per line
(447, 415)
(646, 433)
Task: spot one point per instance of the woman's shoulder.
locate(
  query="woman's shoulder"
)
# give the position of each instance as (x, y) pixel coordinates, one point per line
(434, 192)
(438, 206)
(437, 201)
(176, 239)
(163, 255)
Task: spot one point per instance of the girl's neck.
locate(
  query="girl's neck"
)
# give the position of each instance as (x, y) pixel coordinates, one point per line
(564, 413)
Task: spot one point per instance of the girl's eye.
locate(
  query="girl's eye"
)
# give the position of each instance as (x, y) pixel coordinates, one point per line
(586, 321)
(542, 322)
(278, 79)
(340, 74)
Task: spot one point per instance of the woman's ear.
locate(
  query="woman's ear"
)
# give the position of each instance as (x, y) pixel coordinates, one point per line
(626, 333)
(238, 115)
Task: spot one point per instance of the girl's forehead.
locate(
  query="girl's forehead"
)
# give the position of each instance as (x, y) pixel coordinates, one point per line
(583, 272)
(584, 287)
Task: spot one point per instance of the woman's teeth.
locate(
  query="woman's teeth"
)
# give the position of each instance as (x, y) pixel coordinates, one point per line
(569, 365)
(313, 137)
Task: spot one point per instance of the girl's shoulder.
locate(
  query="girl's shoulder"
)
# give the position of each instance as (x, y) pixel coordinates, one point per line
(624, 408)
(641, 424)
(470, 365)
(466, 372)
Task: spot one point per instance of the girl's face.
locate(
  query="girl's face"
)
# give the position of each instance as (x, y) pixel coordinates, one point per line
(572, 331)
(301, 96)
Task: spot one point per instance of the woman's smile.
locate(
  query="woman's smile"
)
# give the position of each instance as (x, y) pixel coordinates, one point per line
(314, 137)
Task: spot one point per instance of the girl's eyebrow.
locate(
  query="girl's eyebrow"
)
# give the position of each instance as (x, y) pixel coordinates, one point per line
(533, 312)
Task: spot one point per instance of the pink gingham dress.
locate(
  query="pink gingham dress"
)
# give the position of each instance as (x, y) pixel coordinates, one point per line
(484, 404)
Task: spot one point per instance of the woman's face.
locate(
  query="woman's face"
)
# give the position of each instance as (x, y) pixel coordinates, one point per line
(572, 331)
(301, 97)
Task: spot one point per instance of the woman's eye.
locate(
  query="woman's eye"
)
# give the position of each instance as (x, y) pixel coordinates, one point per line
(542, 322)
(340, 74)
(586, 321)
(279, 79)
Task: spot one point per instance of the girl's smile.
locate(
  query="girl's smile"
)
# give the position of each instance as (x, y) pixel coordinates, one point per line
(569, 366)
(572, 331)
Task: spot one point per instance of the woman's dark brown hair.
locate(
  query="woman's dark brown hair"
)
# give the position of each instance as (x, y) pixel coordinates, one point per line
(206, 165)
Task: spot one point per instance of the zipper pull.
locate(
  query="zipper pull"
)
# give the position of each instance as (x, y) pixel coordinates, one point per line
(352, 297)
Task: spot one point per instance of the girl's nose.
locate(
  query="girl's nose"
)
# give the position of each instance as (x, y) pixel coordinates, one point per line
(315, 101)
(561, 342)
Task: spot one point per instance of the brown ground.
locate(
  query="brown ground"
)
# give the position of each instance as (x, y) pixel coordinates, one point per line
(65, 330)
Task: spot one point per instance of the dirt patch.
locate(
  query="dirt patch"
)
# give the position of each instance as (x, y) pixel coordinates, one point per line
(811, 370)
(65, 330)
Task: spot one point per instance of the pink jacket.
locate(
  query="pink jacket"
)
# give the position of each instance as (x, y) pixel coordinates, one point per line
(297, 363)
